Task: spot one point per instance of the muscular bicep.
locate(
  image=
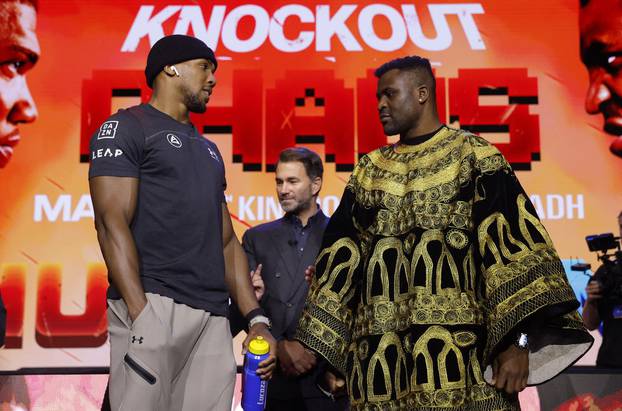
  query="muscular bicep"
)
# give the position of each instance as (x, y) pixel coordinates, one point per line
(114, 202)
(114, 198)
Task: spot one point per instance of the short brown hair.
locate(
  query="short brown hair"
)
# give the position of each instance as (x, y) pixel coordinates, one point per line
(309, 159)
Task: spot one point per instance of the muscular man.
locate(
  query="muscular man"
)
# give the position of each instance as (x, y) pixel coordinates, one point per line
(282, 251)
(166, 235)
(435, 272)
(600, 23)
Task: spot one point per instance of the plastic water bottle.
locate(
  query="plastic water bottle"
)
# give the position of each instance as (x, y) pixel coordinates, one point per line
(254, 389)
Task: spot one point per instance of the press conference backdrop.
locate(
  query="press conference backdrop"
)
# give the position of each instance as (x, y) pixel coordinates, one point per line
(289, 74)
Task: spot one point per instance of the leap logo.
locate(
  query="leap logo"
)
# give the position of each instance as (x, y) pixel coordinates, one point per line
(106, 152)
(174, 140)
(108, 130)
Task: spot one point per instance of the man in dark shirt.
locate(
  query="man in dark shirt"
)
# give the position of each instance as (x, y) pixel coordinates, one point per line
(282, 251)
(167, 238)
(604, 305)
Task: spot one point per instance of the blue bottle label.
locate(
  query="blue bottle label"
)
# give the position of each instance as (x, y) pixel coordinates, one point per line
(254, 389)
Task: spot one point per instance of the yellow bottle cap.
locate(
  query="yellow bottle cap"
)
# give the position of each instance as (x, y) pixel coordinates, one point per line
(259, 346)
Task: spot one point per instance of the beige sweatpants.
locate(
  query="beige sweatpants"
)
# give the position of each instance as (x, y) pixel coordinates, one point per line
(171, 358)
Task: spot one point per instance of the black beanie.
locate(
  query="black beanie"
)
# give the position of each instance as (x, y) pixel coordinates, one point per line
(175, 49)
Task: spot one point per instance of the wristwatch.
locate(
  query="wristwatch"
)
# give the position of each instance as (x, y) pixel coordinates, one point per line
(260, 319)
(522, 341)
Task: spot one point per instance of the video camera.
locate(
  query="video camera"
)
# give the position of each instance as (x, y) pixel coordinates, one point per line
(609, 274)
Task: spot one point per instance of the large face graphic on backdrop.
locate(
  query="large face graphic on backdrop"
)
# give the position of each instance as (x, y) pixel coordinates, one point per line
(19, 52)
(601, 52)
(288, 74)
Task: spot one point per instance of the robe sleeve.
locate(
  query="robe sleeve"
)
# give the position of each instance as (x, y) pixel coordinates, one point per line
(524, 284)
(327, 321)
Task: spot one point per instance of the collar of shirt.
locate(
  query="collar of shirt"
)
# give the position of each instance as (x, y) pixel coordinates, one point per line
(297, 223)
(422, 138)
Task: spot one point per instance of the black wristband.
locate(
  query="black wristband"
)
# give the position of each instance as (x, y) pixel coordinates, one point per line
(254, 313)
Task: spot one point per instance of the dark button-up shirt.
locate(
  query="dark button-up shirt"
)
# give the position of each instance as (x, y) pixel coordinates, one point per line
(300, 233)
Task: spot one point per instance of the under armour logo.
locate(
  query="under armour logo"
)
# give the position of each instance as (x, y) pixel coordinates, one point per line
(139, 339)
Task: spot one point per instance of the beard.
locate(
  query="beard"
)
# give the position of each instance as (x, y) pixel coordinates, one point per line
(294, 206)
(194, 101)
(390, 129)
(395, 126)
(291, 206)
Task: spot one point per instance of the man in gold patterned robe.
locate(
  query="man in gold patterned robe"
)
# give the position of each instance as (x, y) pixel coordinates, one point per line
(432, 266)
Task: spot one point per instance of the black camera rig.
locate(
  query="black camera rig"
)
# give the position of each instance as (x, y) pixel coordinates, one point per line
(609, 273)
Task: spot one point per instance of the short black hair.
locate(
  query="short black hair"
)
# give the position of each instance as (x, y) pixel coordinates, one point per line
(583, 3)
(415, 63)
(309, 159)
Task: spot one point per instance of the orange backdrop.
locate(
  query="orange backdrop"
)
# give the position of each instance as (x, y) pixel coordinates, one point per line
(287, 75)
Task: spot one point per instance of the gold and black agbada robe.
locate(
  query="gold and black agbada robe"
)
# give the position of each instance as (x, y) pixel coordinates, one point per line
(432, 262)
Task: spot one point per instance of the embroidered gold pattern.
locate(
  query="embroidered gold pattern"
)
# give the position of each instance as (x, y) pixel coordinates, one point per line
(457, 239)
(402, 309)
